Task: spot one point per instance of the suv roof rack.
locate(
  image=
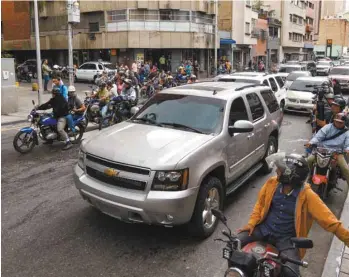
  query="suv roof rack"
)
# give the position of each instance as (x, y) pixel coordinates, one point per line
(250, 86)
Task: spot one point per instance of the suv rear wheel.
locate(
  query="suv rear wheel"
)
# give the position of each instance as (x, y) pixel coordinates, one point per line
(271, 149)
(203, 222)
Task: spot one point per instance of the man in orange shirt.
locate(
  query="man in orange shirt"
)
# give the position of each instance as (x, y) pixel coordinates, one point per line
(286, 207)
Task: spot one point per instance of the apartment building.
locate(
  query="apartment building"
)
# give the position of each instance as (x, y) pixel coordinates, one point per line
(309, 29)
(332, 7)
(121, 31)
(237, 28)
(336, 30)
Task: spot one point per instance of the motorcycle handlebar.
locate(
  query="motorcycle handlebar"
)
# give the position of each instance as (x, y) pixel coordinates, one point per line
(294, 261)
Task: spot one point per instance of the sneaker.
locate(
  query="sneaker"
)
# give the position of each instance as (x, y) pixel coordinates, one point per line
(67, 146)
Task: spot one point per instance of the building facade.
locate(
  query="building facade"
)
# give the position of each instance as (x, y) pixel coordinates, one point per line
(332, 7)
(123, 31)
(336, 30)
(309, 30)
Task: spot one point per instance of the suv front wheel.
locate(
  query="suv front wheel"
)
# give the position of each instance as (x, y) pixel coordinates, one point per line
(210, 196)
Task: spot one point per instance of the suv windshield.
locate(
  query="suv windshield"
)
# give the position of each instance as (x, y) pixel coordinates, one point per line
(292, 62)
(301, 85)
(289, 69)
(294, 76)
(184, 112)
(339, 71)
(237, 80)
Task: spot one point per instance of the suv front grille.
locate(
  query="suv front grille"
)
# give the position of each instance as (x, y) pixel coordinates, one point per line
(122, 167)
(115, 181)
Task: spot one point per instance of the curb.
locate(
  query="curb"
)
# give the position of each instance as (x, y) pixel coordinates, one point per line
(335, 254)
(12, 122)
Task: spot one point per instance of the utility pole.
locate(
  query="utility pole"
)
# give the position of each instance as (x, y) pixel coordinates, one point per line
(267, 46)
(73, 10)
(216, 37)
(70, 55)
(38, 54)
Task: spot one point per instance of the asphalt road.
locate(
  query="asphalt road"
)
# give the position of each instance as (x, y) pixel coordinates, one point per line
(48, 230)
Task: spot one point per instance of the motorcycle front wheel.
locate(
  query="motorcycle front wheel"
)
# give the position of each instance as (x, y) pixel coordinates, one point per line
(23, 142)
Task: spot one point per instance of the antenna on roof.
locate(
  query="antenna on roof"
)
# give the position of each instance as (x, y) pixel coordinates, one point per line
(214, 92)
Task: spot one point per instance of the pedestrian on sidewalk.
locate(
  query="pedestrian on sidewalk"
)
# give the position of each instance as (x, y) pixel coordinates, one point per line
(46, 73)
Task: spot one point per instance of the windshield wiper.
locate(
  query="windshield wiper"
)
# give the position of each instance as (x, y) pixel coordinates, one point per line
(178, 125)
(148, 120)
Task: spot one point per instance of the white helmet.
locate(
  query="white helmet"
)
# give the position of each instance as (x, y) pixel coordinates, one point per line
(55, 66)
(71, 89)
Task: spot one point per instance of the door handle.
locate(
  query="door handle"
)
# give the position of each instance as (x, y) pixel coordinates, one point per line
(267, 125)
(250, 136)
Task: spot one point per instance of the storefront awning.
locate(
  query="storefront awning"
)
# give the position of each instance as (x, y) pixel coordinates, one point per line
(227, 41)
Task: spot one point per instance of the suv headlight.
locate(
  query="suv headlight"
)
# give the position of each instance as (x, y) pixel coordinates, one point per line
(171, 180)
(81, 159)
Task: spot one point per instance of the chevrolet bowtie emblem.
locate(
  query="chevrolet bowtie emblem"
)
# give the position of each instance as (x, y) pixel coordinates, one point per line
(110, 172)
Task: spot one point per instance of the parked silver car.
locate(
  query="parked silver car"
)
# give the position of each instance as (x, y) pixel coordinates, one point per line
(180, 154)
(341, 73)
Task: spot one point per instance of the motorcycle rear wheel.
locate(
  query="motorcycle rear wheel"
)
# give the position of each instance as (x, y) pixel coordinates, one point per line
(29, 143)
(79, 132)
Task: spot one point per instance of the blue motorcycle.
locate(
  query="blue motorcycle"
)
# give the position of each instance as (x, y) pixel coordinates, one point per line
(44, 125)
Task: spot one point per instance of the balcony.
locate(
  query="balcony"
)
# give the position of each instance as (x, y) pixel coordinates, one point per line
(309, 28)
(274, 21)
(255, 33)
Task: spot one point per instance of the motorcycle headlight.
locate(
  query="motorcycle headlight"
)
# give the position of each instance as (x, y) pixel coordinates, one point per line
(322, 162)
(234, 272)
(30, 118)
(173, 180)
(81, 159)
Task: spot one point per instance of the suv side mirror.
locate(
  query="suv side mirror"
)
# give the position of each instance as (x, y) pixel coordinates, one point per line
(241, 126)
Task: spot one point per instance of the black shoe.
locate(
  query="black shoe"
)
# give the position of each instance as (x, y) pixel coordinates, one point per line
(67, 146)
(48, 142)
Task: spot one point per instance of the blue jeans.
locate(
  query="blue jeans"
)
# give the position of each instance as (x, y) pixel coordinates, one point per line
(104, 110)
(70, 122)
(46, 80)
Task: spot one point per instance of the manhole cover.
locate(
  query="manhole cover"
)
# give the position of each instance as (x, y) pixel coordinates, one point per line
(286, 123)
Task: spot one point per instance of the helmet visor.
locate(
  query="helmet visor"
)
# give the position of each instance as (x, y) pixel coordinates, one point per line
(278, 161)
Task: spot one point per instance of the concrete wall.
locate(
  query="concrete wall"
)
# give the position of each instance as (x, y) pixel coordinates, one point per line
(9, 98)
(335, 29)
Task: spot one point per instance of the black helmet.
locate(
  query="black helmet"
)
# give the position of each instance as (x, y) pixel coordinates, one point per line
(339, 101)
(56, 91)
(293, 168)
(102, 84)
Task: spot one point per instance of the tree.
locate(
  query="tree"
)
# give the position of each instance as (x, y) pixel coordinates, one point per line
(257, 5)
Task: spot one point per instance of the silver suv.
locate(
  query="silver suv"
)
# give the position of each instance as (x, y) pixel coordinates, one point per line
(180, 154)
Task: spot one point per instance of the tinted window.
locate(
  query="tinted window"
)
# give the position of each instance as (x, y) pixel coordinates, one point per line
(265, 82)
(100, 67)
(256, 106)
(293, 76)
(273, 84)
(201, 113)
(237, 80)
(84, 66)
(290, 69)
(280, 81)
(238, 111)
(91, 66)
(270, 100)
(304, 85)
(339, 71)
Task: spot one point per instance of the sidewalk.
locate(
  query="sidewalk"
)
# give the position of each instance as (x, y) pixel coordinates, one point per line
(25, 97)
(337, 262)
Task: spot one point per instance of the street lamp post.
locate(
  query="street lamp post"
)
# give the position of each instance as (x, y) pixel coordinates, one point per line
(215, 37)
(38, 54)
(73, 17)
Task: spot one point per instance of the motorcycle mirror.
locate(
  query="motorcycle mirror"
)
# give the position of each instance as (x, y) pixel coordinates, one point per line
(302, 243)
(33, 102)
(219, 214)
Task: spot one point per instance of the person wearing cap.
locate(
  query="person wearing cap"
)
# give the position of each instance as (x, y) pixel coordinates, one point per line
(74, 102)
(340, 142)
(192, 79)
(337, 105)
(60, 110)
(128, 93)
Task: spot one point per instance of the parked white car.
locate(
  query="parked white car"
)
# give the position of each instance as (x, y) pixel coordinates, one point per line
(90, 70)
(274, 81)
(300, 97)
(286, 69)
(323, 67)
(294, 75)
